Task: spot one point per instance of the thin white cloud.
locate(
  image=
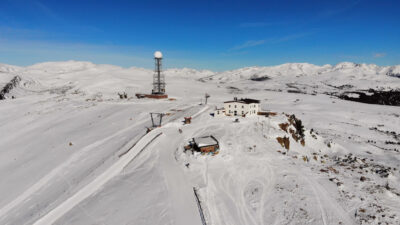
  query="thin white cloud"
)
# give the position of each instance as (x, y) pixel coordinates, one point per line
(335, 11)
(56, 17)
(47, 11)
(253, 43)
(379, 55)
(7, 32)
(291, 37)
(261, 24)
(249, 44)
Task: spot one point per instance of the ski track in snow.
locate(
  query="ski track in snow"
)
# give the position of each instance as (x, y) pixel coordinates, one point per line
(324, 200)
(236, 187)
(317, 197)
(96, 184)
(103, 178)
(55, 172)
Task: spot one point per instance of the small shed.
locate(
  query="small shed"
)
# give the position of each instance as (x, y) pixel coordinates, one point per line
(206, 144)
(187, 120)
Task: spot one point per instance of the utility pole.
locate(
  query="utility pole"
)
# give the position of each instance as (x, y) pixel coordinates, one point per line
(206, 96)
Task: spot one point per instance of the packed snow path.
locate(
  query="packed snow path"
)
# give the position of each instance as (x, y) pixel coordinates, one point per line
(55, 172)
(96, 184)
(174, 178)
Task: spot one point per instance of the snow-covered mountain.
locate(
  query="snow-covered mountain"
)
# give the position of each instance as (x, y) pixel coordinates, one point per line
(342, 80)
(292, 69)
(360, 76)
(306, 69)
(73, 152)
(86, 78)
(5, 68)
(93, 79)
(188, 73)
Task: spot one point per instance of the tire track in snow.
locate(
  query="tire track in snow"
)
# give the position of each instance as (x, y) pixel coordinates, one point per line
(97, 183)
(262, 184)
(316, 194)
(103, 178)
(249, 181)
(320, 195)
(267, 190)
(225, 183)
(58, 170)
(55, 172)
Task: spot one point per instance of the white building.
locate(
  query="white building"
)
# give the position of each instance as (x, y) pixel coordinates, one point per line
(219, 112)
(239, 107)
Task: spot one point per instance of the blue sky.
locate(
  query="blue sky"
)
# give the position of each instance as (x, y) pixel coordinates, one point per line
(217, 35)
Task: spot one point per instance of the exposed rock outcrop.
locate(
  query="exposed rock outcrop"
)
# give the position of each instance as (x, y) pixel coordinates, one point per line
(9, 86)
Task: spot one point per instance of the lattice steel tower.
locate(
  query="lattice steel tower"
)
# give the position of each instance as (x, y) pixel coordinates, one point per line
(158, 77)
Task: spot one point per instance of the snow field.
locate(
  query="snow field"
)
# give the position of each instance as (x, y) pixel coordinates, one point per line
(67, 129)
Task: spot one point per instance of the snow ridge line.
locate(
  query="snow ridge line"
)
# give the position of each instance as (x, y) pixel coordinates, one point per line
(200, 112)
(56, 213)
(158, 135)
(123, 153)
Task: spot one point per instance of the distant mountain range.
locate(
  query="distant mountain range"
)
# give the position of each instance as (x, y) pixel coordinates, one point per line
(90, 78)
(303, 69)
(291, 69)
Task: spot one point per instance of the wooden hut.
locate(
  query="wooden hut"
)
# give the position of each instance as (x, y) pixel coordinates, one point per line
(206, 144)
(187, 120)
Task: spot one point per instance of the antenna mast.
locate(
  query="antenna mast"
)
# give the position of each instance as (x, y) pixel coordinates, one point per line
(158, 77)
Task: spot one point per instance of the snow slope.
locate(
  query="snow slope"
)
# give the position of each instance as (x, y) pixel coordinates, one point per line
(68, 152)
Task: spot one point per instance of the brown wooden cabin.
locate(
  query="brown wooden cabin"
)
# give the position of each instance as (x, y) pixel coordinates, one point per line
(187, 120)
(206, 144)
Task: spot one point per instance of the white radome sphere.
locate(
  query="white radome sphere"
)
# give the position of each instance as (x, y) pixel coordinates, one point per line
(157, 55)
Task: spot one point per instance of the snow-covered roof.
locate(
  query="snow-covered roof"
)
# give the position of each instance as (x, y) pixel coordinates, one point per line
(205, 141)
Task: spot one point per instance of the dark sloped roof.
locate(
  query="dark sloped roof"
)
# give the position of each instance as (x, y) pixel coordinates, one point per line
(245, 101)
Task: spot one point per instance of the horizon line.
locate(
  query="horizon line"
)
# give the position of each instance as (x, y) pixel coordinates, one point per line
(198, 69)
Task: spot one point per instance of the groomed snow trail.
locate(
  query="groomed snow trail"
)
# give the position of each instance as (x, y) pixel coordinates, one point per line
(180, 190)
(97, 183)
(55, 172)
(171, 178)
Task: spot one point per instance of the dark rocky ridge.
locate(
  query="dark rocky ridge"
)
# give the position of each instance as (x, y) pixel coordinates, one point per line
(372, 96)
(263, 78)
(9, 86)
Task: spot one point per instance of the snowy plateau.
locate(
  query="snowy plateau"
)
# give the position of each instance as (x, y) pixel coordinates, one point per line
(73, 152)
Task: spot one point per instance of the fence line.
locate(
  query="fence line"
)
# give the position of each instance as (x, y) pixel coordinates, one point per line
(203, 220)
